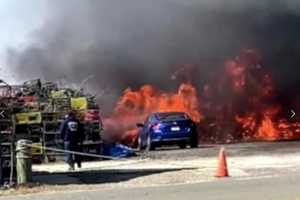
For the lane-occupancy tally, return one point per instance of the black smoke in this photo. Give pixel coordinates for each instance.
(129, 43)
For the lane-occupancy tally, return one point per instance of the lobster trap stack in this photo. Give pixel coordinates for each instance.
(35, 111)
(7, 137)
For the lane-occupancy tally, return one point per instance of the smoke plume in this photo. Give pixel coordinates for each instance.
(129, 43)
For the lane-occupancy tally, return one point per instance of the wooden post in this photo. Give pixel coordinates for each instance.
(24, 171)
(12, 149)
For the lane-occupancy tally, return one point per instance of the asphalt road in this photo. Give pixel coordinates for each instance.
(276, 188)
(238, 149)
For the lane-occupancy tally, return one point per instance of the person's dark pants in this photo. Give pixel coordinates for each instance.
(72, 158)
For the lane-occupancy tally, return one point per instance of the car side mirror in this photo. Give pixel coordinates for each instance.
(140, 125)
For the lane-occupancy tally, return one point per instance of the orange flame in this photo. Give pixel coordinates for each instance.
(242, 97)
(135, 106)
(268, 128)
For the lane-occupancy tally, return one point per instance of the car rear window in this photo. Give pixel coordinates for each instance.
(171, 116)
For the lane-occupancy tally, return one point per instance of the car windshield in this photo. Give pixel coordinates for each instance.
(171, 116)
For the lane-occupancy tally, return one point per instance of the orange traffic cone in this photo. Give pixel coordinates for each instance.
(222, 170)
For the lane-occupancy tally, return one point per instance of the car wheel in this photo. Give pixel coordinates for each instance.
(150, 145)
(182, 145)
(194, 139)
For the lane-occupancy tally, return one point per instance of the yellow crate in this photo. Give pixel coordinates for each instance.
(79, 103)
(58, 94)
(29, 118)
(37, 149)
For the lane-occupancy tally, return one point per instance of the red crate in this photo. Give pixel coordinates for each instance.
(92, 115)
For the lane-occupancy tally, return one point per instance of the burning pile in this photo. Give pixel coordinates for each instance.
(241, 105)
(259, 115)
(135, 106)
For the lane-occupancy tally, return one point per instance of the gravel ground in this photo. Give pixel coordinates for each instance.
(169, 166)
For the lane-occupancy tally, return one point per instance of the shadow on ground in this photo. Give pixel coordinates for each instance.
(96, 176)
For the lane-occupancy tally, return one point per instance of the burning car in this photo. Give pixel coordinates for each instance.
(167, 128)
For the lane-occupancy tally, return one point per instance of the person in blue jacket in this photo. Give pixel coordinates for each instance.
(72, 133)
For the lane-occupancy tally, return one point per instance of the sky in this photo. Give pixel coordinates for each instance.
(18, 21)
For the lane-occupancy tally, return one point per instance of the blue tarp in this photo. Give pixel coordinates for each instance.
(117, 150)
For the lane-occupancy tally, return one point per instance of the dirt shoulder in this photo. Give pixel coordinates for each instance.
(167, 167)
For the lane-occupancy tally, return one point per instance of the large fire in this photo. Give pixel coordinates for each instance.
(239, 105)
(260, 118)
(266, 126)
(135, 106)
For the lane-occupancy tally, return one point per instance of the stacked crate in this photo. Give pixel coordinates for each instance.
(93, 125)
(6, 140)
(51, 136)
(29, 119)
(28, 126)
(89, 115)
(60, 100)
(39, 108)
(51, 120)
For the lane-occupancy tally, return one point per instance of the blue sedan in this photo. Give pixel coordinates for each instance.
(167, 128)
